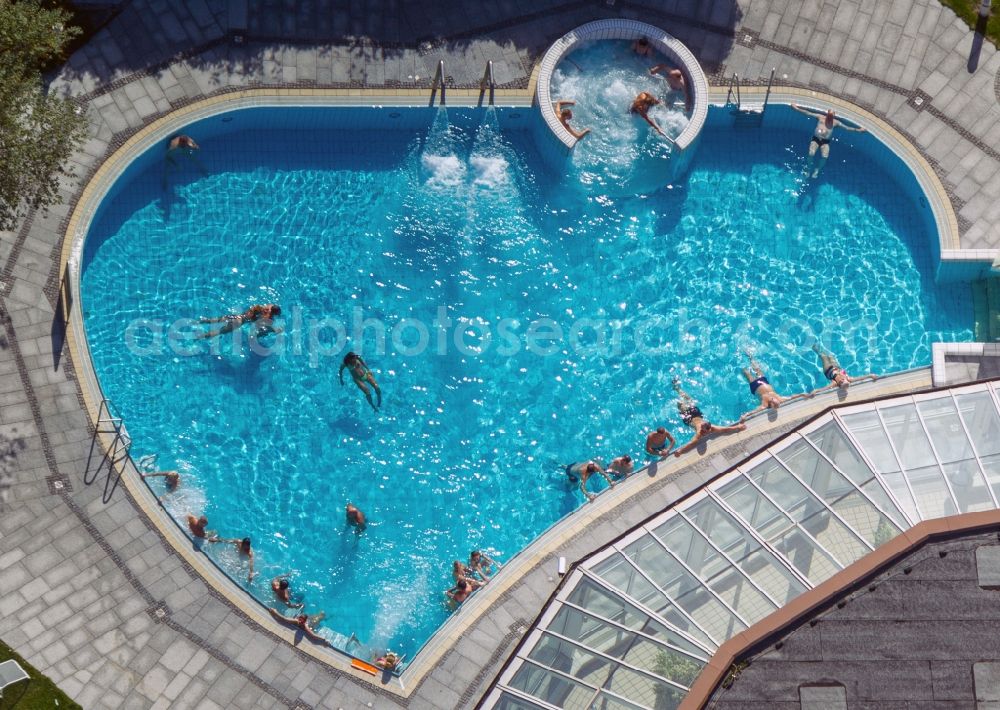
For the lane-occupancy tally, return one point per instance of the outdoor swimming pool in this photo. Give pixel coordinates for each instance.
(579, 308)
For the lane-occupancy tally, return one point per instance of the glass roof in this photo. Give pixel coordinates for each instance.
(636, 621)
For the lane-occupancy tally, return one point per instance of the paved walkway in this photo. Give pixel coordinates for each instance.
(89, 592)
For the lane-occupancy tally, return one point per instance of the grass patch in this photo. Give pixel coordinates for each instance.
(968, 10)
(36, 694)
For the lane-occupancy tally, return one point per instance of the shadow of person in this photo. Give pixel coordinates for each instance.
(977, 43)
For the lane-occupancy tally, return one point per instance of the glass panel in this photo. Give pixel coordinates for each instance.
(931, 493)
(968, 485)
(744, 550)
(684, 588)
(645, 690)
(664, 662)
(908, 436)
(981, 419)
(509, 702)
(617, 572)
(732, 587)
(606, 701)
(897, 484)
(945, 428)
(563, 656)
(805, 509)
(867, 430)
(991, 465)
(551, 687)
(778, 530)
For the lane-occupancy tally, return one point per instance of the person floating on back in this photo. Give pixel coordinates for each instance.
(822, 136)
(832, 370)
(362, 376)
(692, 416)
(564, 114)
(759, 385)
(582, 471)
(263, 316)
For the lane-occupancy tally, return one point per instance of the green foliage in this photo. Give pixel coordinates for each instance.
(968, 10)
(678, 669)
(38, 131)
(34, 694)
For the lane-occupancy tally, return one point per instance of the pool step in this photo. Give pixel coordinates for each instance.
(986, 309)
(748, 115)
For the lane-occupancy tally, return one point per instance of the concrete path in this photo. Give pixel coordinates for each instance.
(89, 592)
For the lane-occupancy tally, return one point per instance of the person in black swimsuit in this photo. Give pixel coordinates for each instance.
(820, 141)
(693, 417)
(759, 385)
(582, 471)
(832, 370)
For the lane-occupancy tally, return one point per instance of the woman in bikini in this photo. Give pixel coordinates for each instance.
(693, 417)
(825, 124)
(231, 322)
(832, 370)
(362, 376)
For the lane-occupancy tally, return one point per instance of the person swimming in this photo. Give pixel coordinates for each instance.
(582, 471)
(265, 314)
(641, 106)
(362, 376)
(822, 135)
(693, 417)
(564, 114)
(836, 374)
(675, 81)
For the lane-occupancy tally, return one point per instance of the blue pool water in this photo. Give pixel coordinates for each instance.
(460, 218)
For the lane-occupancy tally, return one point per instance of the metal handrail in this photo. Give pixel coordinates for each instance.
(734, 83)
(438, 81)
(768, 94)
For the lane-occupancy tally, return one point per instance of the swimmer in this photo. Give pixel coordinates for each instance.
(244, 550)
(656, 443)
(641, 105)
(355, 517)
(197, 527)
(460, 592)
(822, 135)
(264, 314)
(582, 472)
(675, 80)
(171, 478)
(362, 376)
(643, 47)
(481, 564)
(388, 662)
(565, 115)
(693, 417)
(180, 145)
(621, 466)
(279, 585)
(307, 624)
(837, 375)
(769, 398)
(460, 572)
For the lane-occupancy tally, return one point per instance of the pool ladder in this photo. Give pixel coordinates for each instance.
(749, 114)
(487, 83)
(438, 82)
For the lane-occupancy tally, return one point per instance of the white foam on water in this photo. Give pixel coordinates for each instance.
(396, 604)
(445, 170)
(489, 171)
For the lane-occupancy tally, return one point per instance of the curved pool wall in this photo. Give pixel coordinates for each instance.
(556, 143)
(213, 121)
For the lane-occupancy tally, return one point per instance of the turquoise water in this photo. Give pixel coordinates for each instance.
(463, 217)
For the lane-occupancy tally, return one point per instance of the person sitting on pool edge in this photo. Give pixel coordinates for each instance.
(582, 471)
(822, 135)
(693, 417)
(834, 372)
(641, 105)
(759, 385)
(265, 314)
(656, 443)
(564, 115)
(362, 376)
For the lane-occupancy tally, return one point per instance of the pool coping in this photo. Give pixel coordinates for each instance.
(422, 665)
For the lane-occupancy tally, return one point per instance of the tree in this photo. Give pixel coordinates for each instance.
(38, 131)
